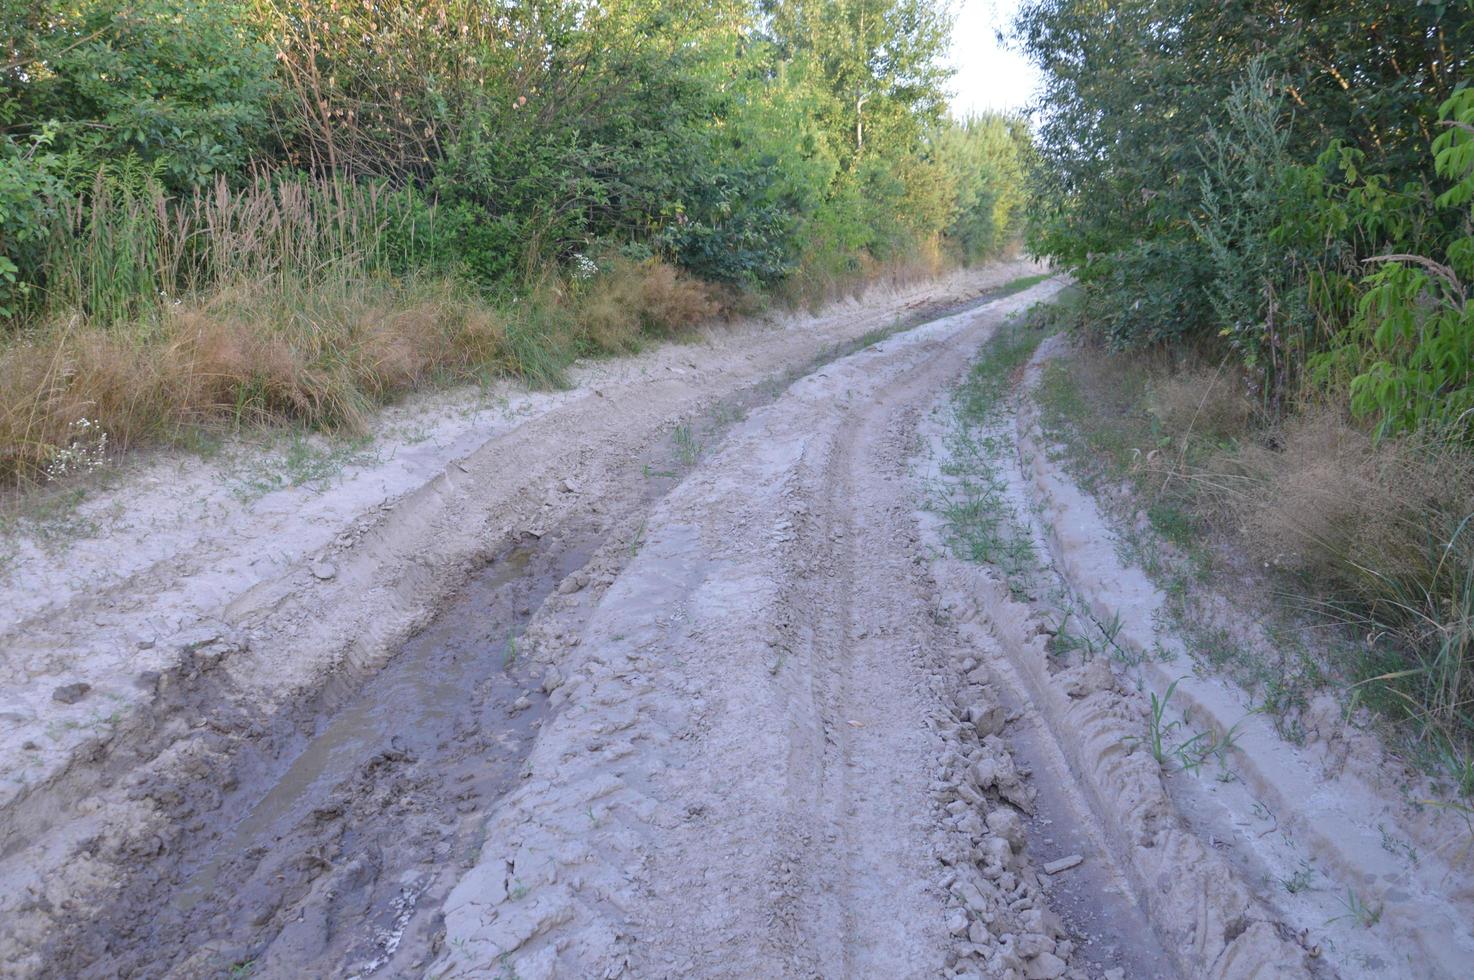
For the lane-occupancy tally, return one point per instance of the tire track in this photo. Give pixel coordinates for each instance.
(800, 789)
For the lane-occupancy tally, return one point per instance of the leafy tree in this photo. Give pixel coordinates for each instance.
(876, 64)
(987, 156)
(1135, 89)
(182, 84)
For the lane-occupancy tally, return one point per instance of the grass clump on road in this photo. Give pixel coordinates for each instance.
(979, 522)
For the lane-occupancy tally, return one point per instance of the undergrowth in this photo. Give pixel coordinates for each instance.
(278, 304)
(1365, 547)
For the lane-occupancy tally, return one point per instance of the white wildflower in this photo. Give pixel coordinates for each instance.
(85, 450)
(584, 268)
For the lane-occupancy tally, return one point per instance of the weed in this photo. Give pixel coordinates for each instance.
(1300, 880)
(1207, 745)
(301, 459)
(1357, 910)
(1396, 846)
(688, 449)
(506, 970)
(1158, 729)
(509, 652)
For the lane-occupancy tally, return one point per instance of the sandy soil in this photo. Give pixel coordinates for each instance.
(666, 675)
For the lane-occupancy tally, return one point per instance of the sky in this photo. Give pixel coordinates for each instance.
(989, 75)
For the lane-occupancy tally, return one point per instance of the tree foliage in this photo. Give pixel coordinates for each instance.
(1225, 168)
(749, 141)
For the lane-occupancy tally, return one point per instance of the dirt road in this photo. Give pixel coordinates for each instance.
(670, 676)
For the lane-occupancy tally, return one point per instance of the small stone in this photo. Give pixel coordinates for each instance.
(521, 704)
(71, 693)
(570, 585)
(995, 852)
(30, 746)
(957, 922)
(1007, 824)
(1046, 966)
(570, 487)
(147, 643)
(972, 896)
(1031, 945)
(978, 932)
(985, 774)
(324, 570)
(1063, 864)
(552, 680)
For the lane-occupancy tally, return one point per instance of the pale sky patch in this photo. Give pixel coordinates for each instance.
(989, 76)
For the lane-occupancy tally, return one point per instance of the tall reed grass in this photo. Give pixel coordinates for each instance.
(125, 251)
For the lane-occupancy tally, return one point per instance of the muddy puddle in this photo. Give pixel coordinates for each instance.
(331, 855)
(329, 849)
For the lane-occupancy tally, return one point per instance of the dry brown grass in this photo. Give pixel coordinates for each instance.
(826, 275)
(239, 359)
(1202, 401)
(1381, 534)
(322, 358)
(273, 303)
(671, 301)
(631, 299)
(1322, 497)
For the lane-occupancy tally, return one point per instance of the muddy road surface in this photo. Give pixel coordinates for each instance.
(679, 674)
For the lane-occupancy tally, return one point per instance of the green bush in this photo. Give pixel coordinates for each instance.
(30, 191)
(1176, 127)
(180, 83)
(1414, 326)
(752, 147)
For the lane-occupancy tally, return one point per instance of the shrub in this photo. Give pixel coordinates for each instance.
(1414, 327)
(1152, 292)
(1256, 282)
(31, 190)
(183, 85)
